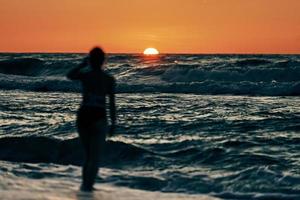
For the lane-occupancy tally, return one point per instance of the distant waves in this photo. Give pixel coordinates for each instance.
(206, 87)
(234, 75)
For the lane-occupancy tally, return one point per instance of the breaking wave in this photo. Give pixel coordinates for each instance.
(66, 152)
(177, 74)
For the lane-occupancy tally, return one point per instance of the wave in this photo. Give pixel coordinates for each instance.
(65, 152)
(260, 172)
(194, 74)
(280, 72)
(251, 69)
(205, 87)
(35, 67)
(51, 150)
(25, 66)
(252, 62)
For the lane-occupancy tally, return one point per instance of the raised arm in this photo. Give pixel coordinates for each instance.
(75, 73)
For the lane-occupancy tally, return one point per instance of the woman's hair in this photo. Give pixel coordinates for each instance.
(96, 57)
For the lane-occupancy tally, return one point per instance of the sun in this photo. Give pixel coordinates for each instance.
(151, 51)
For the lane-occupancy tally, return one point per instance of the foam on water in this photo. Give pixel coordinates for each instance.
(242, 145)
(233, 147)
(14, 187)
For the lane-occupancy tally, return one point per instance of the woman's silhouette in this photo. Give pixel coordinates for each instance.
(91, 118)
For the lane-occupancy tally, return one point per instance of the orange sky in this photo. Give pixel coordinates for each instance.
(172, 26)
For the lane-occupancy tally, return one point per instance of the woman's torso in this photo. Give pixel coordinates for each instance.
(96, 86)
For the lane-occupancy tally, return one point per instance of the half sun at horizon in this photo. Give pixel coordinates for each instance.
(149, 99)
(151, 51)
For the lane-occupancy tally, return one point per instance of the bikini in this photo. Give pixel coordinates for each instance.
(92, 109)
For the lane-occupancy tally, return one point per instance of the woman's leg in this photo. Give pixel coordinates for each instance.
(96, 145)
(84, 134)
(84, 138)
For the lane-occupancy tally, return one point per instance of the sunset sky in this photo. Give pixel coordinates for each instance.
(171, 26)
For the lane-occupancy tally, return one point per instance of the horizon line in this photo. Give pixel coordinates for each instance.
(161, 53)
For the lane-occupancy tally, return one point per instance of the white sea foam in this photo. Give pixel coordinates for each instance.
(18, 188)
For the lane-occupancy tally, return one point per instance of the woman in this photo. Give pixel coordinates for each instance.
(91, 118)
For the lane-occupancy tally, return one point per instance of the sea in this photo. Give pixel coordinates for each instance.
(226, 126)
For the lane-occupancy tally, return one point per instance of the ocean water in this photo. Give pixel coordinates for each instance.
(223, 125)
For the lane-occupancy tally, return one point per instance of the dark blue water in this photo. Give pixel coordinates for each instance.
(227, 125)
